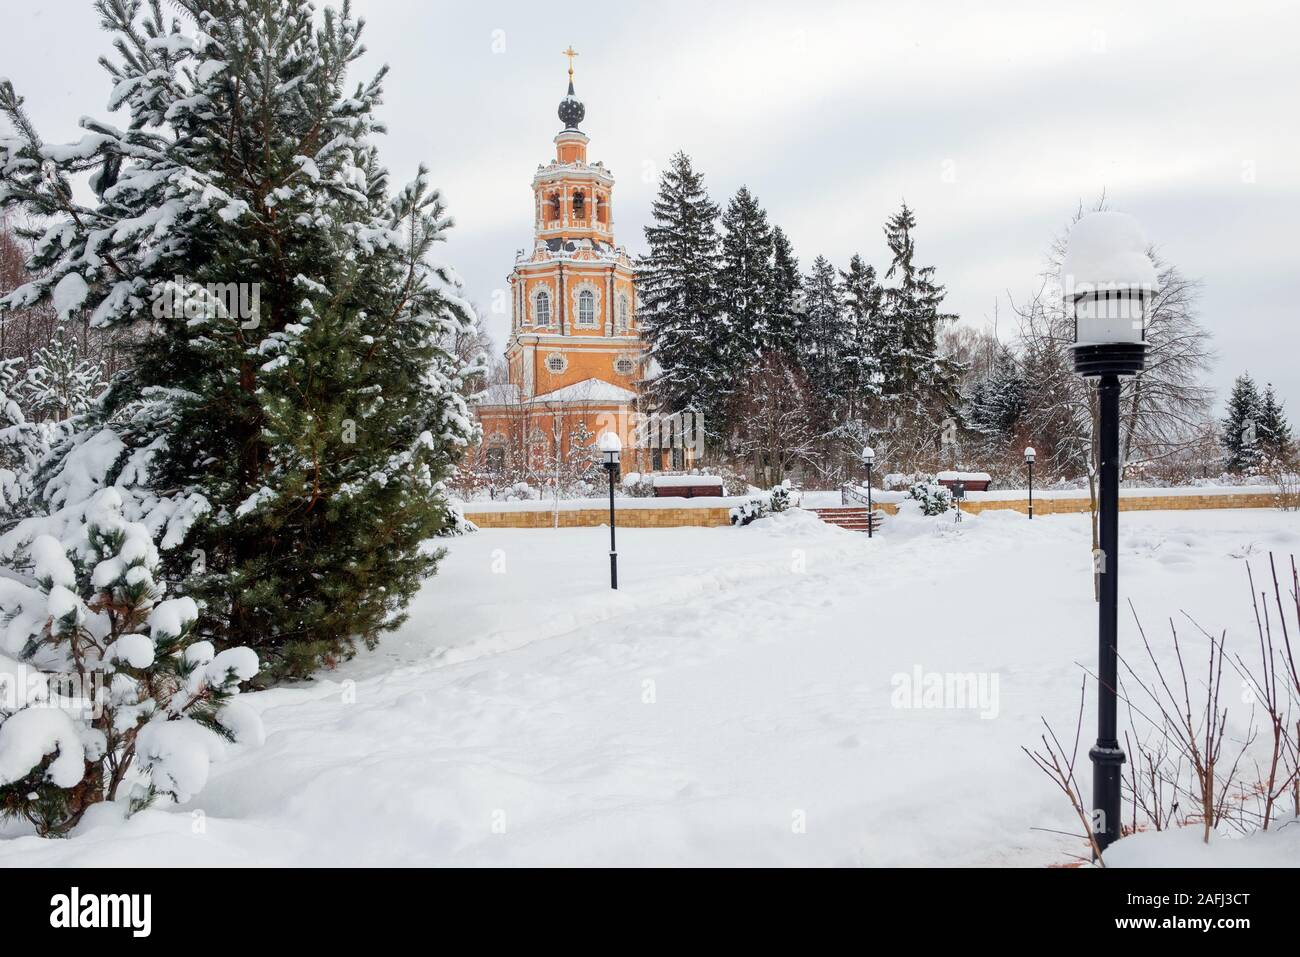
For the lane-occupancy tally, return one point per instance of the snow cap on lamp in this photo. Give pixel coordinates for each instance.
(1030, 454)
(1108, 277)
(1108, 280)
(868, 455)
(610, 447)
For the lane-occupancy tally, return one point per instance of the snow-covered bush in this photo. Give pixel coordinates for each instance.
(457, 523)
(935, 499)
(751, 510)
(105, 691)
(778, 498)
(521, 492)
(783, 497)
(1285, 475)
(638, 485)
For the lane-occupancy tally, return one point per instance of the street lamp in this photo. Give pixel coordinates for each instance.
(869, 459)
(610, 447)
(1030, 454)
(1108, 280)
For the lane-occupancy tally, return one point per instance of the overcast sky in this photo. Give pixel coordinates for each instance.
(993, 121)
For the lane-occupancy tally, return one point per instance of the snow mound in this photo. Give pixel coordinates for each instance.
(1183, 847)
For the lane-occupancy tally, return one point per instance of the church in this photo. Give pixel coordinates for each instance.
(574, 356)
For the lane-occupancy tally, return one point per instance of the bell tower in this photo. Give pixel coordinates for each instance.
(575, 357)
(573, 295)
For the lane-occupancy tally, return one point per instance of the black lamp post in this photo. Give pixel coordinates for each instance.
(869, 459)
(1108, 279)
(610, 447)
(1029, 460)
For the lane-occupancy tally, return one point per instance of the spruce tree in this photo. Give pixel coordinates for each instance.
(1241, 426)
(60, 383)
(916, 378)
(1275, 438)
(866, 345)
(787, 297)
(746, 282)
(677, 284)
(286, 426)
(824, 335)
(996, 403)
(21, 444)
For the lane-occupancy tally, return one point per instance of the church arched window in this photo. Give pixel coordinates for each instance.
(579, 206)
(586, 308)
(542, 308)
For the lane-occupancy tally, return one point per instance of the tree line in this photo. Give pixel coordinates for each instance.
(796, 371)
(838, 357)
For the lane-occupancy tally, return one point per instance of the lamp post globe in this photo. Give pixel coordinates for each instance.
(869, 459)
(611, 448)
(1108, 281)
(1030, 455)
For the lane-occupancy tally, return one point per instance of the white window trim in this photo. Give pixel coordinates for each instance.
(578, 290)
(564, 363)
(537, 293)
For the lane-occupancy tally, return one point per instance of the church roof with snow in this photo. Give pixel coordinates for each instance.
(588, 390)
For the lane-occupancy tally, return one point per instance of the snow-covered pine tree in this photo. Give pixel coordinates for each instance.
(292, 415)
(677, 287)
(60, 383)
(582, 458)
(867, 347)
(1240, 427)
(996, 403)
(21, 444)
(746, 282)
(917, 379)
(1275, 439)
(787, 296)
(823, 336)
(114, 695)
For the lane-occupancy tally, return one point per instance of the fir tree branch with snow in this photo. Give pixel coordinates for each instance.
(108, 693)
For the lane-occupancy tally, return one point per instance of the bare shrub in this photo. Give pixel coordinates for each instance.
(1189, 765)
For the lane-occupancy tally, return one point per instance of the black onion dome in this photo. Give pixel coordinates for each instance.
(571, 110)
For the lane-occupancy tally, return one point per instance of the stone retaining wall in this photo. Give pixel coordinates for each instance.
(1129, 503)
(590, 517)
(709, 517)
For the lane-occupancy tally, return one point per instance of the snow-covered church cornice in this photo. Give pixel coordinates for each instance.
(587, 172)
(585, 255)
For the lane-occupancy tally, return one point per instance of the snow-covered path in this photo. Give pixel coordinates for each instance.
(731, 704)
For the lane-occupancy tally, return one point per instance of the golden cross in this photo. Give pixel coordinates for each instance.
(570, 53)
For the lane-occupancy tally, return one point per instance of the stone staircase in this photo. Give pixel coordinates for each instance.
(855, 518)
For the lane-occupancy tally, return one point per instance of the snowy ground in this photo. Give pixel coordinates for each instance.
(731, 704)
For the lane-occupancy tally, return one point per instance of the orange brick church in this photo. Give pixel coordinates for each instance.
(574, 355)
